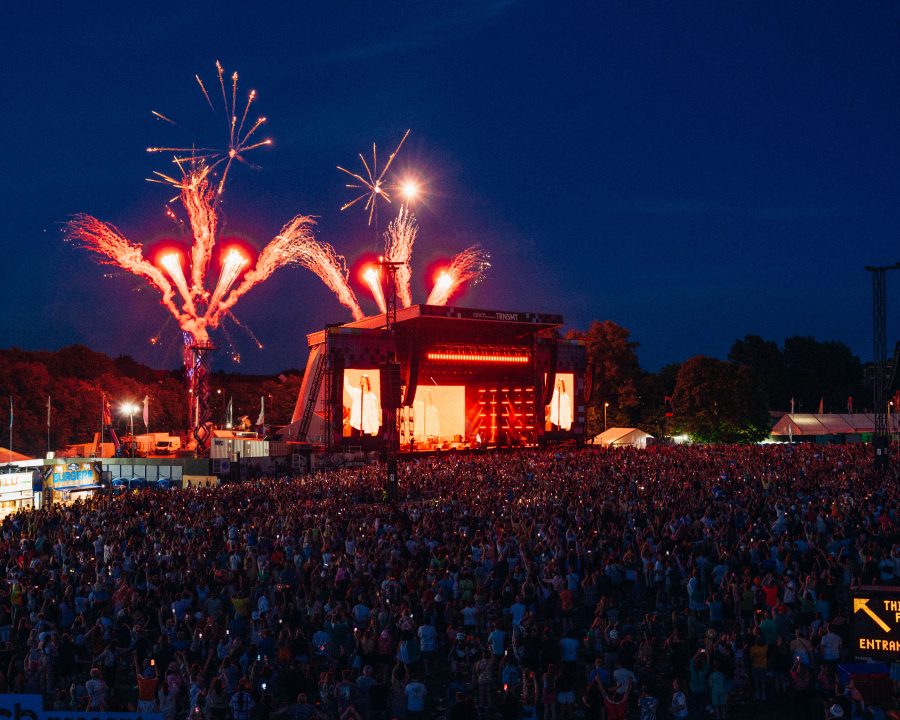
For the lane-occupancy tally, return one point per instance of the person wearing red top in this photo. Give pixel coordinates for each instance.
(770, 591)
(566, 605)
(616, 704)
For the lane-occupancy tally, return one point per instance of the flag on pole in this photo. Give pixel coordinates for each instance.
(48, 411)
(107, 411)
(229, 414)
(792, 406)
(10, 413)
(261, 420)
(667, 404)
(821, 406)
(146, 412)
(850, 404)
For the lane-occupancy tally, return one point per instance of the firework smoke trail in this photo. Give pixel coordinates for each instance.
(373, 280)
(247, 330)
(114, 249)
(467, 266)
(399, 239)
(199, 203)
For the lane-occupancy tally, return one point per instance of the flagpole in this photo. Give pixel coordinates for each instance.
(10, 426)
(48, 424)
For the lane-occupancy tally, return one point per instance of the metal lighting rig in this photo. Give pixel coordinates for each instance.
(881, 438)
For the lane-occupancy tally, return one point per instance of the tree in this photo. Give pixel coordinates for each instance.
(653, 389)
(766, 361)
(614, 372)
(75, 377)
(720, 402)
(826, 371)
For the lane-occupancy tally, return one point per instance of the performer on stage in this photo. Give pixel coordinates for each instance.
(365, 412)
(561, 407)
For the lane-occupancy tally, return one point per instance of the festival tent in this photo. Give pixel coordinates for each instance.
(623, 436)
(7, 455)
(827, 424)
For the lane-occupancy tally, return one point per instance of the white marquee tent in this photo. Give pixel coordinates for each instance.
(632, 437)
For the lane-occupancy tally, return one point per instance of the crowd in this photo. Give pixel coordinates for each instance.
(553, 583)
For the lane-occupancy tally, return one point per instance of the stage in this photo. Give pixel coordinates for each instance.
(468, 378)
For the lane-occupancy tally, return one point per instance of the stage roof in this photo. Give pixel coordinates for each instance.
(437, 314)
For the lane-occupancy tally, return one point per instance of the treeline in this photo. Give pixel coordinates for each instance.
(712, 400)
(718, 400)
(74, 379)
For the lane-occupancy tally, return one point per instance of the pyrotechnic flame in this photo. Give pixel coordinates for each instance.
(399, 239)
(234, 263)
(372, 184)
(373, 280)
(295, 244)
(467, 267)
(171, 262)
(239, 142)
(114, 249)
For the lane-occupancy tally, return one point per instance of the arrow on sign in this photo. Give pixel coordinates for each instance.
(863, 604)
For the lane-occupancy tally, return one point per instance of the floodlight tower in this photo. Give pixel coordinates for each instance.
(199, 413)
(881, 438)
(390, 378)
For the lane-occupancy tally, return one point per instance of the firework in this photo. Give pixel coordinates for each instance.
(468, 266)
(296, 245)
(372, 184)
(114, 249)
(239, 142)
(398, 244)
(373, 280)
(171, 262)
(234, 263)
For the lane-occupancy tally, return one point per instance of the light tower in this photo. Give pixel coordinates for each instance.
(197, 357)
(881, 438)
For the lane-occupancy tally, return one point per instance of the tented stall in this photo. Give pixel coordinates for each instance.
(632, 437)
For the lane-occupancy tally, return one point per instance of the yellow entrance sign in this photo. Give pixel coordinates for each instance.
(863, 604)
(875, 626)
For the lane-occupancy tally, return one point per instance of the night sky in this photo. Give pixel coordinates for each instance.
(692, 171)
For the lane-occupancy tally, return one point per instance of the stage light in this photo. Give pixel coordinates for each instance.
(476, 357)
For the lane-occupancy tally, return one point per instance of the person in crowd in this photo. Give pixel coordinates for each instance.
(550, 582)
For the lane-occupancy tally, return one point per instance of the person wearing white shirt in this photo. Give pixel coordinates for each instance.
(561, 407)
(365, 415)
(415, 692)
(830, 645)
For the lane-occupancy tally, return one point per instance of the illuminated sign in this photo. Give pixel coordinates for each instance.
(876, 623)
(495, 315)
(15, 482)
(74, 474)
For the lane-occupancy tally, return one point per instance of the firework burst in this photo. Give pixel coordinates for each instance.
(200, 309)
(372, 182)
(240, 142)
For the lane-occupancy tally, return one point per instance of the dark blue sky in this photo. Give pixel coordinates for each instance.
(693, 171)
